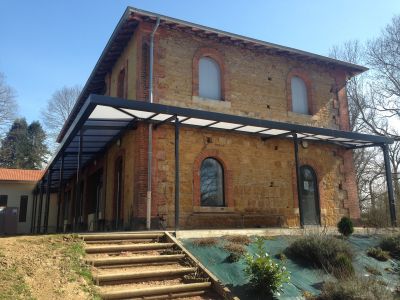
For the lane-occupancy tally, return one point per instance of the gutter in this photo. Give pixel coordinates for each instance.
(150, 141)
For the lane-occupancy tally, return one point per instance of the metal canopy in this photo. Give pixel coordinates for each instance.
(103, 119)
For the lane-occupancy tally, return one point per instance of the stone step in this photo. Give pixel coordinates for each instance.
(123, 276)
(128, 247)
(120, 236)
(154, 291)
(126, 260)
(119, 241)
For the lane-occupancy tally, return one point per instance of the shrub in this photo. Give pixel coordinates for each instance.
(210, 241)
(323, 251)
(357, 288)
(378, 254)
(392, 245)
(236, 251)
(238, 239)
(345, 226)
(281, 256)
(265, 276)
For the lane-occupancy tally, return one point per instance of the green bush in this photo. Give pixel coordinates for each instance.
(345, 226)
(355, 289)
(378, 254)
(323, 251)
(392, 245)
(265, 276)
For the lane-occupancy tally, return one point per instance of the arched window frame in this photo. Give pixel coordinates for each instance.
(218, 58)
(228, 186)
(222, 179)
(304, 76)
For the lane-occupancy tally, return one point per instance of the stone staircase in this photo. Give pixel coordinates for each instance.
(146, 265)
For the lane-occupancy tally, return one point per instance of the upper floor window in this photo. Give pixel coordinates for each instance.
(211, 183)
(209, 79)
(121, 84)
(299, 96)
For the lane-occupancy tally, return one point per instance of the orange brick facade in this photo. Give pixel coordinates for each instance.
(259, 176)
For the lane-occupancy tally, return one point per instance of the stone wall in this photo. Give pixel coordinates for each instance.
(260, 185)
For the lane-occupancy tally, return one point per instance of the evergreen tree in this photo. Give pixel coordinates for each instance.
(23, 146)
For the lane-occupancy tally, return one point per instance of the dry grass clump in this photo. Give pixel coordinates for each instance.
(238, 239)
(234, 248)
(354, 289)
(205, 242)
(378, 254)
(323, 251)
(392, 245)
(236, 251)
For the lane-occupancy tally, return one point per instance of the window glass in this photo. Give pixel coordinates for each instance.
(299, 96)
(23, 206)
(209, 79)
(3, 200)
(211, 183)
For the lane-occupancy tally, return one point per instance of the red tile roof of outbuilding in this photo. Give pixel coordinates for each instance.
(20, 175)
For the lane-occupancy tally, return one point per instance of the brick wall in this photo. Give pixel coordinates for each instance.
(260, 186)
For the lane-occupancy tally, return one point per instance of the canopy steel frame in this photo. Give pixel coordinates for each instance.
(109, 118)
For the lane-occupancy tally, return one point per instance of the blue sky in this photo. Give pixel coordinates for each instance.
(48, 44)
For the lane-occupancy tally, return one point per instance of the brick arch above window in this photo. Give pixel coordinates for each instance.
(218, 57)
(302, 74)
(228, 187)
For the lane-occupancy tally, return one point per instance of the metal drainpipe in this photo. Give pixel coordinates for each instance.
(150, 142)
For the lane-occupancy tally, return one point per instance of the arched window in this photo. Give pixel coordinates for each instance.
(299, 96)
(309, 196)
(209, 79)
(121, 84)
(211, 183)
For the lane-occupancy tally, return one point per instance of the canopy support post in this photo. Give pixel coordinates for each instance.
(60, 184)
(39, 220)
(78, 211)
(389, 183)
(177, 174)
(47, 208)
(298, 179)
(34, 210)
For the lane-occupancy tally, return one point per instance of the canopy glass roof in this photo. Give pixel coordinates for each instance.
(103, 119)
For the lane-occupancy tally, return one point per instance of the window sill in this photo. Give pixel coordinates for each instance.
(213, 209)
(302, 118)
(211, 102)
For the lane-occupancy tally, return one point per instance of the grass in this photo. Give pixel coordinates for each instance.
(12, 283)
(392, 245)
(73, 254)
(323, 251)
(354, 289)
(378, 254)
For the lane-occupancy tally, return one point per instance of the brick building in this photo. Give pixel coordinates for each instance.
(184, 124)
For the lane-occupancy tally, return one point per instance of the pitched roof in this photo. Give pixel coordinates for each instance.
(133, 16)
(20, 175)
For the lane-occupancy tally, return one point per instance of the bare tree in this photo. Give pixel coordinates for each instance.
(8, 104)
(374, 100)
(58, 108)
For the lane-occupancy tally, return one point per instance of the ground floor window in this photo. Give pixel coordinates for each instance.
(211, 183)
(3, 200)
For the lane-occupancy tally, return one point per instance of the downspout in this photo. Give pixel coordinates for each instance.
(150, 141)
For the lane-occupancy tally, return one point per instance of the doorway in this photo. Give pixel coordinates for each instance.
(309, 196)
